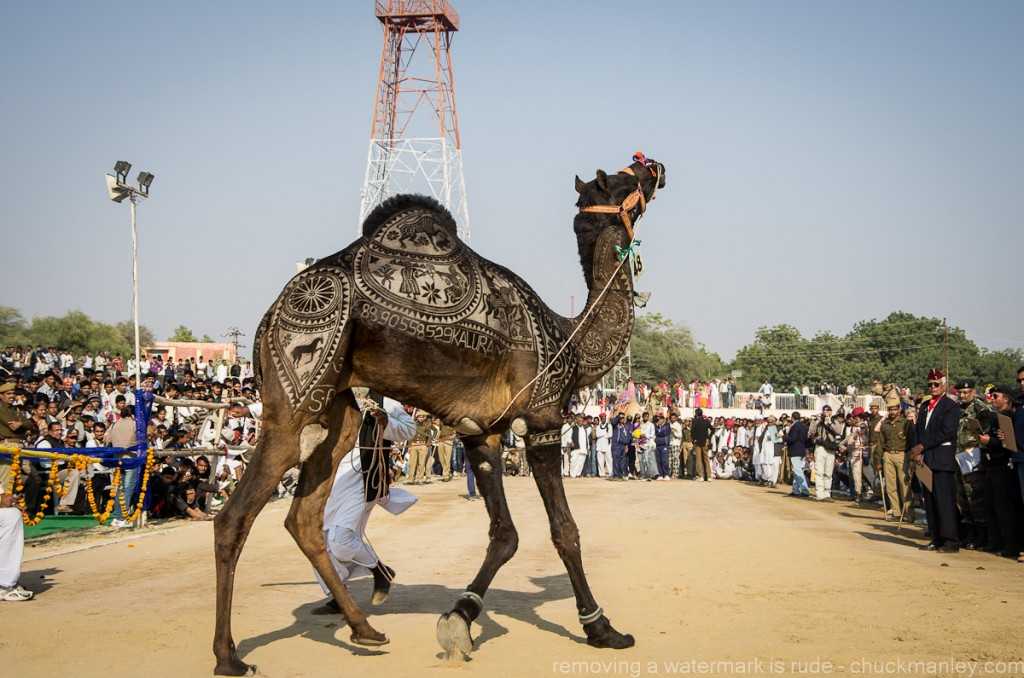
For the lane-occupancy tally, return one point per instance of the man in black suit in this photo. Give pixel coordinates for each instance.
(796, 443)
(938, 421)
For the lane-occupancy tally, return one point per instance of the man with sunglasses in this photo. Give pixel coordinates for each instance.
(938, 422)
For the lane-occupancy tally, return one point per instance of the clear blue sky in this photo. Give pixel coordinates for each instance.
(827, 162)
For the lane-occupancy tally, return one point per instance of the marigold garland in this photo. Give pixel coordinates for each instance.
(121, 500)
(80, 462)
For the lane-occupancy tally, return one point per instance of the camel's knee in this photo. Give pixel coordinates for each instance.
(566, 538)
(309, 439)
(308, 536)
(504, 542)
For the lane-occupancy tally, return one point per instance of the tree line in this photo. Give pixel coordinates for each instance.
(900, 349)
(78, 333)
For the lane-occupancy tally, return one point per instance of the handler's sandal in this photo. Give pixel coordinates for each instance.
(14, 594)
(382, 578)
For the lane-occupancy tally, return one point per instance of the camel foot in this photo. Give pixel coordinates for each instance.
(233, 666)
(453, 636)
(365, 634)
(600, 633)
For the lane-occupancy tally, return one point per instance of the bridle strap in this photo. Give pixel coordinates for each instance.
(629, 203)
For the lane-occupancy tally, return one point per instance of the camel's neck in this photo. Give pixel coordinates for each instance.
(608, 316)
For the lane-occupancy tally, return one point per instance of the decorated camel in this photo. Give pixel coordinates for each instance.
(412, 312)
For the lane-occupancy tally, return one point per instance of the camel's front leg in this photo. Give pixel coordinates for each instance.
(544, 454)
(484, 454)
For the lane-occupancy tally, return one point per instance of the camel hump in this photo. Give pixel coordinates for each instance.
(395, 205)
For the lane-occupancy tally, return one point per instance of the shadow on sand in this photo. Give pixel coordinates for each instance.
(39, 581)
(432, 599)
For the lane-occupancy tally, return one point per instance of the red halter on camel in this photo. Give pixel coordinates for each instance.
(635, 197)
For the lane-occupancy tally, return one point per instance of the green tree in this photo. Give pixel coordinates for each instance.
(182, 333)
(208, 339)
(13, 329)
(78, 333)
(901, 348)
(664, 350)
(127, 330)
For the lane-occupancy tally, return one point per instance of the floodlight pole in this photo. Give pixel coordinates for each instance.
(135, 292)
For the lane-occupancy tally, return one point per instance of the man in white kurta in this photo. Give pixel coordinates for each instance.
(576, 439)
(12, 547)
(347, 511)
(603, 433)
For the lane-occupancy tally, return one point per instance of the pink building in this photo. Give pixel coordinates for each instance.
(192, 349)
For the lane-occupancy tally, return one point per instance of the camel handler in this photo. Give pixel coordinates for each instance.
(362, 482)
(12, 428)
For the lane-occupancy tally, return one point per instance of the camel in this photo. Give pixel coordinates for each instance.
(454, 354)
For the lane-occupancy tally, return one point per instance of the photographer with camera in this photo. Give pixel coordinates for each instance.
(826, 433)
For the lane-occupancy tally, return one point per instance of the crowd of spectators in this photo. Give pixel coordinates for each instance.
(657, 432)
(639, 432)
(52, 399)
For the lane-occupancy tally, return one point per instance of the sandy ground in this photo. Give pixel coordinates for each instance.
(699, 572)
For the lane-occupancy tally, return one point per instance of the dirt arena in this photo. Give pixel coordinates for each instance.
(742, 578)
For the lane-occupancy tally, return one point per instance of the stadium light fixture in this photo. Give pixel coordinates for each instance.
(119, 190)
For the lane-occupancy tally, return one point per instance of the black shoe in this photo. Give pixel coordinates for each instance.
(382, 578)
(930, 546)
(949, 547)
(330, 607)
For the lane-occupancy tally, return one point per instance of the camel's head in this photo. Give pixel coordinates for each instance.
(622, 196)
(614, 201)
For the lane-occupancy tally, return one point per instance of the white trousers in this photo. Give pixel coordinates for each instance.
(12, 546)
(824, 462)
(604, 462)
(345, 519)
(577, 460)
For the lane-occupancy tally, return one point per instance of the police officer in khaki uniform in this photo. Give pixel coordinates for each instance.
(12, 428)
(418, 447)
(445, 438)
(893, 439)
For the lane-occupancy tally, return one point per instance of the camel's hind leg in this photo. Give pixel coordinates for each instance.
(546, 462)
(275, 454)
(305, 519)
(453, 627)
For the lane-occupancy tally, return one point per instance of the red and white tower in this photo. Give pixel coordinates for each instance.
(415, 145)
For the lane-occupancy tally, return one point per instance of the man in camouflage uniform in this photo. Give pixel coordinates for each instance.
(970, 474)
(894, 439)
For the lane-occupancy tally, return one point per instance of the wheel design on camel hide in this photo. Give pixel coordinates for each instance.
(305, 328)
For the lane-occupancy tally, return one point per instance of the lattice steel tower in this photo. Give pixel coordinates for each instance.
(415, 145)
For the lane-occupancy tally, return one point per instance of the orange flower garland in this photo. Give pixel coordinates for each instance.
(150, 460)
(80, 462)
(115, 480)
(51, 480)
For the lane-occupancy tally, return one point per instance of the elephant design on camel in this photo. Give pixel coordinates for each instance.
(357, 331)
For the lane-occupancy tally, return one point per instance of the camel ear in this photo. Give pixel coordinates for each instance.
(602, 180)
(579, 184)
